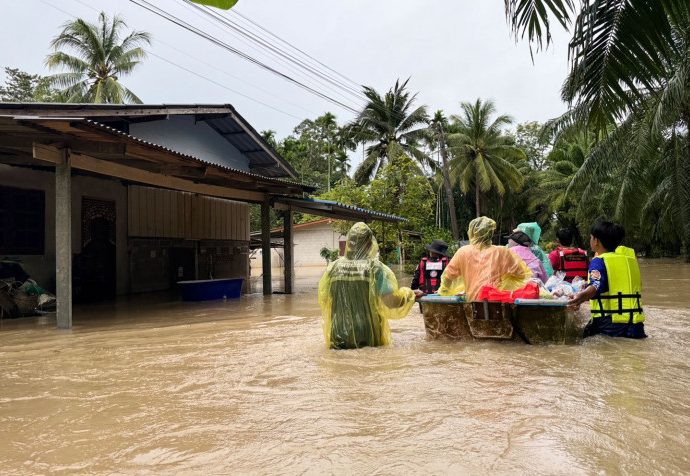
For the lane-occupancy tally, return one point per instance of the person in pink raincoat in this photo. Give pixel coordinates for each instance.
(519, 243)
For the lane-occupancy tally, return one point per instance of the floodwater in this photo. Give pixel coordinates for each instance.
(247, 386)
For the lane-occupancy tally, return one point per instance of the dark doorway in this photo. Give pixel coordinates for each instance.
(95, 273)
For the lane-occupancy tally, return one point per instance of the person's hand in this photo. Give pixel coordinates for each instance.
(574, 302)
(418, 293)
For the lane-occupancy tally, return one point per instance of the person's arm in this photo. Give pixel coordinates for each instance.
(451, 278)
(585, 295)
(597, 283)
(395, 301)
(415, 279)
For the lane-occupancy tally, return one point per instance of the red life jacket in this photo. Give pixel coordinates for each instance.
(574, 262)
(429, 275)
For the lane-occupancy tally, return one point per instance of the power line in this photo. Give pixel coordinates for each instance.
(187, 69)
(222, 85)
(271, 55)
(354, 83)
(229, 23)
(173, 19)
(238, 78)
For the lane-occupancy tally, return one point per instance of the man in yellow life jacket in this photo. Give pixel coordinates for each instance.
(614, 286)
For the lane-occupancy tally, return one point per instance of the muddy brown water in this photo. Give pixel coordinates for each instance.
(247, 387)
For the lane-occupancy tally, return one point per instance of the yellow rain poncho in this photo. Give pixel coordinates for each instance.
(481, 263)
(358, 294)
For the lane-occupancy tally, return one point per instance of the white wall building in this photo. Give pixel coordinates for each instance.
(309, 239)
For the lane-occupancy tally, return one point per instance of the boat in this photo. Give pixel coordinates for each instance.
(532, 321)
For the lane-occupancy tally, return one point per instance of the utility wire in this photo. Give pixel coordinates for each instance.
(230, 24)
(185, 69)
(236, 12)
(273, 56)
(173, 19)
(214, 67)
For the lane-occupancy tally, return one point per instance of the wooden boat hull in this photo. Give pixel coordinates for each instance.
(500, 321)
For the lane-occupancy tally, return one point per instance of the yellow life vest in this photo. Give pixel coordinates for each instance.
(622, 301)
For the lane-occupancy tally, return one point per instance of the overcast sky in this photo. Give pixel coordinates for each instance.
(453, 50)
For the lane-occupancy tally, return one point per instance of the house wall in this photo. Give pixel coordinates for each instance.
(162, 222)
(42, 267)
(308, 242)
(184, 134)
(150, 224)
(170, 214)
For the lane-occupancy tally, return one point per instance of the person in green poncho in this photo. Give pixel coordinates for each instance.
(533, 230)
(358, 295)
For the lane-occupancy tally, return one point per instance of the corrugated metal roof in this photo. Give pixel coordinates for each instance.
(117, 132)
(330, 208)
(221, 117)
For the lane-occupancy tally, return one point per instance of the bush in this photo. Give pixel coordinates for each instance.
(329, 254)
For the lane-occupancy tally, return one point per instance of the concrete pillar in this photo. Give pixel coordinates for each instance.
(266, 246)
(63, 241)
(287, 251)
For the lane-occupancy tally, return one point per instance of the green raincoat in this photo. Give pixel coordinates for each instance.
(358, 294)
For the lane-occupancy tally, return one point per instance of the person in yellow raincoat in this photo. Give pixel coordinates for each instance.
(481, 263)
(358, 294)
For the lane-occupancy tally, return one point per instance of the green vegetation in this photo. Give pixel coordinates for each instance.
(21, 86)
(96, 57)
(621, 150)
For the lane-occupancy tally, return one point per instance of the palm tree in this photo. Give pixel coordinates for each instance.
(392, 126)
(482, 153)
(438, 130)
(630, 66)
(100, 56)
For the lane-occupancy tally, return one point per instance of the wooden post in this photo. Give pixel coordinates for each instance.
(266, 246)
(287, 251)
(63, 240)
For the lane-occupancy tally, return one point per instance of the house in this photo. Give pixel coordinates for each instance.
(115, 199)
(308, 240)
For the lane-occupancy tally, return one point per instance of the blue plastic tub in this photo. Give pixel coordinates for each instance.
(210, 289)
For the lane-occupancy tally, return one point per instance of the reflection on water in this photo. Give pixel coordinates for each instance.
(247, 386)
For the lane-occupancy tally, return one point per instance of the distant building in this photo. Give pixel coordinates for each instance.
(308, 240)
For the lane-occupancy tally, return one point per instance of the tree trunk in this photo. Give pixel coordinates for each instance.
(477, 197)
(685, 200)
(449, 190)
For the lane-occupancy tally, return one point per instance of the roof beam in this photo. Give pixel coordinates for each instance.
(124, 172)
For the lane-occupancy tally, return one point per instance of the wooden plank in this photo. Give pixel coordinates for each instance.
(214, 217)
(130, 211)
(236, 221)
(167, 213)
(196, 216)
(144, 206)
(245, 223)
(173, 215)
(112, 169)
(227, 213)
(48, 154)
(188, 215)
(207, 218)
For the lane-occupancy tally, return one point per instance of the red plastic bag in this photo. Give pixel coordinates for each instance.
(490, 293)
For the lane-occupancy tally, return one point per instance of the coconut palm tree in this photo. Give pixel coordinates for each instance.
(438, 130)
(97, 57)
(483, 154)
(392, 126)
(630, 66)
